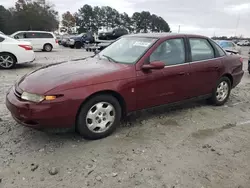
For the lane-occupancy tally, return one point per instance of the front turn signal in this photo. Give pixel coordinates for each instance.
(50, 98)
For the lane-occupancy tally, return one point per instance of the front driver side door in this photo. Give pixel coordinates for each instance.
(167, 85)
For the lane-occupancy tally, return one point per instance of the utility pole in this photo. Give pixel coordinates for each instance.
(179, 29)
(237, 24)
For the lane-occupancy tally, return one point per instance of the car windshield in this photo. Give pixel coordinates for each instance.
(127, 49)
(224, 44)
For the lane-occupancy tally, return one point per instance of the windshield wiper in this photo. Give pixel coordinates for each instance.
(110, 58)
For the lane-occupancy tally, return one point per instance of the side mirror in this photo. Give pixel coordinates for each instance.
(153, 65)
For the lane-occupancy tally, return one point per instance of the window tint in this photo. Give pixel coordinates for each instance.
(201, 49)
(171, 52)
(31, 35)
(218, 48)
(38, 35)
(46, 35)
(1, 39)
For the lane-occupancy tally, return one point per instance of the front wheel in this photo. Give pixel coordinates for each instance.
(222, 91)
(99, 117)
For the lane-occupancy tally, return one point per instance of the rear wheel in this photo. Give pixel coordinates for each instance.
(222, 91)
(47, 48)
(7, 61)
(99, 117)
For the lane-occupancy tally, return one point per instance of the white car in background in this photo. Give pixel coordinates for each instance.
(229, 46)
(243, 43)
(40, 40)
(13, 51)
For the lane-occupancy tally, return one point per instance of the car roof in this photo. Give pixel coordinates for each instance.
(35, 31)
(163, 35)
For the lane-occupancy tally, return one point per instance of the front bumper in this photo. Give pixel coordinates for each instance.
(41, 115)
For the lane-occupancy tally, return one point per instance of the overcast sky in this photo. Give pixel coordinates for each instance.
(207, 17)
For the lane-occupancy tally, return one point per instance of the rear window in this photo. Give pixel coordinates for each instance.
(38, 35)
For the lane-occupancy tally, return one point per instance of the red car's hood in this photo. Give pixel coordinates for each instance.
(73, 74)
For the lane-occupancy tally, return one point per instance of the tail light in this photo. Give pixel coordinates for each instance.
(26, 47)
(56, 41)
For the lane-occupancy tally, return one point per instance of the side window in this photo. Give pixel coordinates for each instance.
(201, 49)
(218, 48)
(45, 35)
(171, 52)
(31, 35)
(1, 39)
(20, 36)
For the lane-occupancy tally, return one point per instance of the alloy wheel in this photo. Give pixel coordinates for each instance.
(100, 117)
(6, 61)
(47, 48)
(222, 91)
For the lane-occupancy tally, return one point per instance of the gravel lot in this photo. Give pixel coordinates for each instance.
(190, 146)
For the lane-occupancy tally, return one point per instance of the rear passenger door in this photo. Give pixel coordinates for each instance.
(205, 67)
(33, 37)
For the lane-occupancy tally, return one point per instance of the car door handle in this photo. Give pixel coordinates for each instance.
(182, 73)
(214, 68)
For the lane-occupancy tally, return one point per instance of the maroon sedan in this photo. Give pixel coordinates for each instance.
(136, 72)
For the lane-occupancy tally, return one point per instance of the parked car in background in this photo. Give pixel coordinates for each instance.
(112, 34)
(79, 40)
(135, 72)
(59, 39)
(65, 39)
(243, 43)
(13, 52)
(40, 40)
(230, 46)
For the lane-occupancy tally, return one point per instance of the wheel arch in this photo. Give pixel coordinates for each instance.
(230, 78)
(48, 44)
(10, 54)
(115, 94)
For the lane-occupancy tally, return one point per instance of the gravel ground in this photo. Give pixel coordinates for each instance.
(190, 146)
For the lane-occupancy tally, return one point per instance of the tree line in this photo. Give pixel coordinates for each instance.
(28, 15)
(41, 15)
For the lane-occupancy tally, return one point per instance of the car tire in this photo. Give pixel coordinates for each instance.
(102, 113)
(72, 46)
(78, 45)
(47, 47)
(221, 92)
(10, 61)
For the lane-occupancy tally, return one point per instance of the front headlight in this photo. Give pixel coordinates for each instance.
(32, 97)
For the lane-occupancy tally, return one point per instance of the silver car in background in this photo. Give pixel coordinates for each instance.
(229, 46)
